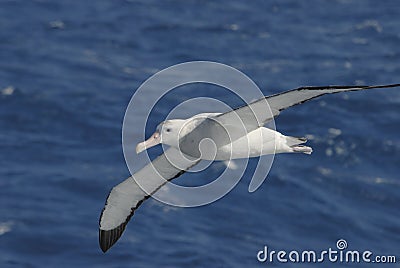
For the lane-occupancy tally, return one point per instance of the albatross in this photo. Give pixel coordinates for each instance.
(239, 133)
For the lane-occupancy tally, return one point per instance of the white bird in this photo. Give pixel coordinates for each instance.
(235, 134)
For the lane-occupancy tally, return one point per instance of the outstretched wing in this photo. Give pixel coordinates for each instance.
(249, 117)
(127, 196)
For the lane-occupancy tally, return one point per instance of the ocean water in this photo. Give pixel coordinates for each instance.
(69, 68)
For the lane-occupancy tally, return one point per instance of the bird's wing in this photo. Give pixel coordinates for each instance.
(127, 196)
(256, 114)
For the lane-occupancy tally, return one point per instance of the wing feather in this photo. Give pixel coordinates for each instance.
(127, 196)
(256, 114)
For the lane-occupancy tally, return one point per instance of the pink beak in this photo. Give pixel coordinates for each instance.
(152, 141)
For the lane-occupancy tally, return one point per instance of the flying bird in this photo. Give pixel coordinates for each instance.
(239, 133)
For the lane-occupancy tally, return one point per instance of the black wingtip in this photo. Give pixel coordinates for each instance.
(107, 238)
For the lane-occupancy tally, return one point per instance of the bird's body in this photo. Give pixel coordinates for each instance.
(261, 141)
(258, 142)
(210, 136)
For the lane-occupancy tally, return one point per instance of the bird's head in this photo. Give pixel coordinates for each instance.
(168, 132)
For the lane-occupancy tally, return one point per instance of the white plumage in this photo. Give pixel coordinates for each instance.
(236, 134)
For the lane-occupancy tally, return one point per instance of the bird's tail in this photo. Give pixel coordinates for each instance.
(294, 144)
(290, 141)
(301, 149)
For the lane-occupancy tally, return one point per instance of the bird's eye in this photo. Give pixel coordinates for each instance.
(168, 130)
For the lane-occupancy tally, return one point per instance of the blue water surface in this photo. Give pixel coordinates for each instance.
(69, 68)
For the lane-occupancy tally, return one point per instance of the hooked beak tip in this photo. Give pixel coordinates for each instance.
(139, 148)
(152, 141)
